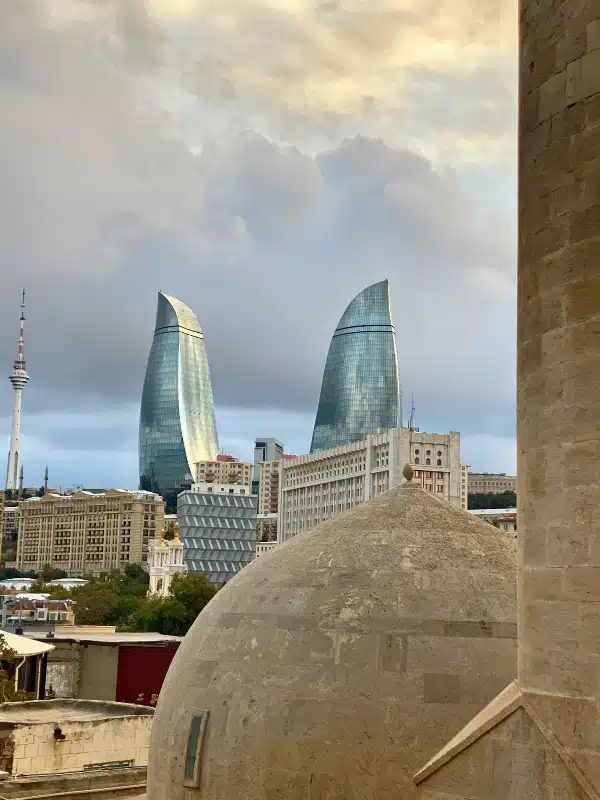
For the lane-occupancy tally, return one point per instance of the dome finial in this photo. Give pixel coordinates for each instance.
(408, 472)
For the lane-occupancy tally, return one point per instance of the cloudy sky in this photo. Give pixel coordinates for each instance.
(262, 164)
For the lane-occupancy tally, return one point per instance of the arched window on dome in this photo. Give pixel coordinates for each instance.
(439, 462)
(191, 768)
(428, 461)
(417, 460)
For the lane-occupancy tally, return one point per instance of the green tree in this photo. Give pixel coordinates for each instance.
(174, 615)
(50, 573)
(11, 572)
(502, 500)
(137, 574)
(111, 598)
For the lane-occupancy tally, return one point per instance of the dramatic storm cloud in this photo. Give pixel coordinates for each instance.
(262, 165)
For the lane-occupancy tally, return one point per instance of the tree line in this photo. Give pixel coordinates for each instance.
(121, 599)
(502, 500)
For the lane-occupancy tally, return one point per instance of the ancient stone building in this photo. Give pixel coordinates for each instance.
(337, 664)
(540, 738)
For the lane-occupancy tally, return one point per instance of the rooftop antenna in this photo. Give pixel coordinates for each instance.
(412, 414)
(401, 414)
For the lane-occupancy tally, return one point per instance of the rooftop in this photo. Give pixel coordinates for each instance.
(139, 494)
(25, 645)
(488, 512)
(39, 712)
(107, 637)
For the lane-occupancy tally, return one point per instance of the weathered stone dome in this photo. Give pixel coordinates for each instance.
(335, 666)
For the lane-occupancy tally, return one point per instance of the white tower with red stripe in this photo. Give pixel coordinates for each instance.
(18, 379)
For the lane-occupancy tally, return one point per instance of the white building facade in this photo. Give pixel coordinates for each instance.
(165, 559)
(319, 486)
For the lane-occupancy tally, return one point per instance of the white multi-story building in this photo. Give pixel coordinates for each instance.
(316, 487)
(165, 559)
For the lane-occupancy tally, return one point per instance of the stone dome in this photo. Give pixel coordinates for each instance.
(338, 664)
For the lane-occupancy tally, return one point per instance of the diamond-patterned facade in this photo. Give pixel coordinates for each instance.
(218, 533)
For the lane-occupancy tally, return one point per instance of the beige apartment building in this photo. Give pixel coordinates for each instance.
(1, 521)
(321, 485)
(491, 483)
(224, 470)
(86, 532)
(268, 501)
(505, 519)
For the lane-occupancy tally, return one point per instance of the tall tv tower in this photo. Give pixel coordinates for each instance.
(18, 379)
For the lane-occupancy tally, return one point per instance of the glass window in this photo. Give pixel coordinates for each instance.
(191, 774)
(177, 419)
(360, 388)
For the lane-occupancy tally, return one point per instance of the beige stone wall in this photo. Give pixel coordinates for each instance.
(551, 747)
(559, 347)
(487, 770)
(98, 675)
(63, 669)
(36, 751)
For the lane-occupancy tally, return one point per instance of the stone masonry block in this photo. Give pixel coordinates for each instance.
(552, 95)
(441, 688)
(582, 584)
(583, 77)
(593, 35)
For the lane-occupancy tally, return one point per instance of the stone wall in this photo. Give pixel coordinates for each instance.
(96, 741)
(98, 677)
(548, 746)
(63, 669)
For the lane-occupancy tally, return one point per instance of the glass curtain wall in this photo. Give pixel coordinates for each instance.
(177, 419)
(360, 389)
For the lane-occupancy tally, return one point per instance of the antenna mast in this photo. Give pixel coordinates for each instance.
(18, 379)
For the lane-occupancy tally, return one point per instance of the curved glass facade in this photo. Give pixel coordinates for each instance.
(177, 418)
(360, 389)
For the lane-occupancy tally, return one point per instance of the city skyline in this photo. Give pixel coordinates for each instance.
(265, 205)
(175, 319)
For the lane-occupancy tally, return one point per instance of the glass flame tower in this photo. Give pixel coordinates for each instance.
(177, 418)
(360, 390)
